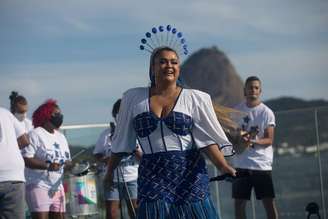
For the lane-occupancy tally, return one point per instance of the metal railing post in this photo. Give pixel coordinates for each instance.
(217, 193)
(253, 205)
(319, 163)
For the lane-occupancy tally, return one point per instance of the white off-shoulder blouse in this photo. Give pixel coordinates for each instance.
(192, 123)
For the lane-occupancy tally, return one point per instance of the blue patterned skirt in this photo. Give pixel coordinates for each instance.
(174, 185)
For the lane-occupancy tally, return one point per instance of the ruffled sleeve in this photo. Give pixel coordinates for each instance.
(207, 129)
(124, 139)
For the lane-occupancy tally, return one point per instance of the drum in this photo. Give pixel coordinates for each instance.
(82, 194)
(236, 137)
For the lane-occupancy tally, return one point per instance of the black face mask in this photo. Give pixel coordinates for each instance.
(57, 120)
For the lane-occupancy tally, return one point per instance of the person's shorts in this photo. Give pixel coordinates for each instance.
(260, 180)
(44, 200)
(122, 191)
(12, 199)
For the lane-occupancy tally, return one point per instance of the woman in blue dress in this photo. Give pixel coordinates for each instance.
(175, 126)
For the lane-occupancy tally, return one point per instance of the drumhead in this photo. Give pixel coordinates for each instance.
(80, 169)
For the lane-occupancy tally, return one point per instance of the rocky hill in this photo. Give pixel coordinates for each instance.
(290, 103)
(210, 70)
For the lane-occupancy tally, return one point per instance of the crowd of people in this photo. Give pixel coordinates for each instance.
(152, 155)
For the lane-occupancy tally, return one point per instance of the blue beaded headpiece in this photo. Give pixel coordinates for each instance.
(164, 37)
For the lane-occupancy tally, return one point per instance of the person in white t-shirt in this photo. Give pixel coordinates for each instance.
(254, 162)
(45, 158)
(12, 188)
(19, 107)
(125, 178)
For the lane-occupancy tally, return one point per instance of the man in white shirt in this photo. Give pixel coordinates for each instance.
(12, 180)
(254, 162)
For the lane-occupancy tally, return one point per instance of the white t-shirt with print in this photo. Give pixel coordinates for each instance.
(11, 161)
(27, 123)
(257, 157)
(128, 166)
(49, 147)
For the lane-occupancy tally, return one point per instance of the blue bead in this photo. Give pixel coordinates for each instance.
(148, 35)
(168, 27)
(174, 30)
(184, 46)
(182, 41)
(154, 30)
(161, 28)
(179, 35)
(185, 52)
(142, 47)
(144, 41)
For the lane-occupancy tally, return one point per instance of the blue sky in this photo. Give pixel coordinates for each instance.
(85, 53)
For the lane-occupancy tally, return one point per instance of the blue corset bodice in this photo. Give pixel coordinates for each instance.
(179, 123)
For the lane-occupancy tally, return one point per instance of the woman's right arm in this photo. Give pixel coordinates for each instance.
(35, 163)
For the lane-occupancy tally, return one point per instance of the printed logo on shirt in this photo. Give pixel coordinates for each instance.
(245, 124)
(252, 130)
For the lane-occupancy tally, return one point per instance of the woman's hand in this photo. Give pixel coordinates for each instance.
(54, 167)
(229, 170)
(68, 165)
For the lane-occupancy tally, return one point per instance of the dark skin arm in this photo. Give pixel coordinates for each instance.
(113, 162)
(35, 163)
(68, 165)
(23, 141)
(101, 158)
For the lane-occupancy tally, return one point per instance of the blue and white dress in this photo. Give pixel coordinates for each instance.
(173, 180)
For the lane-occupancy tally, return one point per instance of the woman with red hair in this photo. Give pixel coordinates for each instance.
(45, 159)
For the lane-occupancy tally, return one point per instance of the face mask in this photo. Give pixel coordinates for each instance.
(57, 120)
(20, 116)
